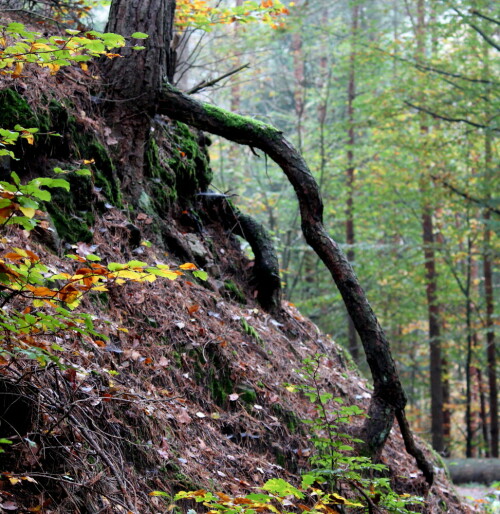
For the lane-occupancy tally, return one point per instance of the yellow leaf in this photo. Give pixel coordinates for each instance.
(27, 211)
(189, 266)
(100, 288)
(88, 161)
(17, 70)
(14, 481)
(36, 47)
(54, 68)
(132, 275)
(84, 66)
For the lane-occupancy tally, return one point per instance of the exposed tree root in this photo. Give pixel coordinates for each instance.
(388, 396)
(266, 269)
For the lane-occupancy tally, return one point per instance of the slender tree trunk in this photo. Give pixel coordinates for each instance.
(351, 141)
(482, 411)
(299, 89)
(488, 286)
(435, 356)
(469, 430)
(490, 338)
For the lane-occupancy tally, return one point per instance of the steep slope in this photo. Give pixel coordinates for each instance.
(189, 390)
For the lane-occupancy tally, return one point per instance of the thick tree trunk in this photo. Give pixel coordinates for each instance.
(135, 81)
(139, 77)
(388, 395)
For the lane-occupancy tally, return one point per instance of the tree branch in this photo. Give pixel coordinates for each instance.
(388, 395)
(481, 15)
(210, 83)
(447, 118)
(467, 196)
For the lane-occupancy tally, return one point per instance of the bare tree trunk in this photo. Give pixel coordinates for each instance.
(490, 339)
(488, 286)
(469, 431)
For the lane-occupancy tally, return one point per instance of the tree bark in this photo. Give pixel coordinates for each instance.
(135, 82)
(388, 395)
(435, 356)
(351, 141)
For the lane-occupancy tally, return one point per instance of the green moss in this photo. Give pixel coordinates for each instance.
(288, 417)
(162, 183)
(220, 386)
(14, 109)
(88, 147)
(247, 393)
(189, 163)
(237, 122)
(69, 227)
(234, 292)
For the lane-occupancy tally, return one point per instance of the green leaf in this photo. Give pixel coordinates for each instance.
(159, 493)
(116, 266)
(281, 488)
(139, 35)
(307, 481)
(92, 257)
(202, 275)
(5, 441)
(84, 172)
(137, 264)
(15, 178)
(53, 182)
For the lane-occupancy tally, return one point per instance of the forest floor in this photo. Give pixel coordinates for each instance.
(479, 494)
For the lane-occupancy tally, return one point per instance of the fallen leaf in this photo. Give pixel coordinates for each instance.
(233, 397)
(183, 417)
(193, 308)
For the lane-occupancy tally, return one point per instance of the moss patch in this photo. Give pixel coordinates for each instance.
(234, 292)
(89, 147)
(161, 177)
(189, 162)
(237, 122)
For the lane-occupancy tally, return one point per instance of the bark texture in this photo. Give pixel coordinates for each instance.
(388, 396)
(140, 76)
(134, 83)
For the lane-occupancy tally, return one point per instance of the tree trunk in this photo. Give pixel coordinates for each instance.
(139, 77)
(488, 282)
(490, 339)
(435, 357)
(135, 81)
(351, 141)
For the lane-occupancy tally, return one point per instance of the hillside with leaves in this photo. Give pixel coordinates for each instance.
(136, 360)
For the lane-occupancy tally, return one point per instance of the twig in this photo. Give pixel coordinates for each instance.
(90, 439)
(465, 195)
(209, 83)
(446, 118)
